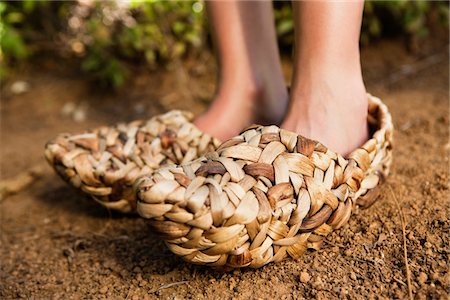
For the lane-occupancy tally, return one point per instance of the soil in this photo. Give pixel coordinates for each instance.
(57, 243)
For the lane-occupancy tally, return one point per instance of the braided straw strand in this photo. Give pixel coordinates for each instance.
(106, 161)
(265, 195)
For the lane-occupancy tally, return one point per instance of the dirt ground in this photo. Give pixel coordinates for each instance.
(57, 243)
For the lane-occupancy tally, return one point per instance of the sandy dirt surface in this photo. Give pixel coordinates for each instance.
(57, 243)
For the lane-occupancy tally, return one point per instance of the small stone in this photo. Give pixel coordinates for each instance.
(348, 252)
(20, 87)
(79, 115)
(427, 245)
(304, 277)
(103, 290)
(411, 236)
(68, 108)
(422, 278)
(353, 275)
(232, 283)
(318, 283)
(374, 225)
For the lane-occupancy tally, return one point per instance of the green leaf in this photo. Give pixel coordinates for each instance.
(285, 26)
(12, 44)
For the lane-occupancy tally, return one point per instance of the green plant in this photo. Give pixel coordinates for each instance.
(284, 23)
(12, 44)
(151, 32)
(411, 18)
(106, 37)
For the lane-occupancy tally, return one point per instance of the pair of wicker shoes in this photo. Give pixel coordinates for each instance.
(260, 197)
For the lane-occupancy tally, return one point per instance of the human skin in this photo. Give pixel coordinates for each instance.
(327, 101)
(251, 87)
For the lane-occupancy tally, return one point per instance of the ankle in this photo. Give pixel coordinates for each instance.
(240, 104)
(330, 109)
(236, 90)
(327, 87)
(266, 99)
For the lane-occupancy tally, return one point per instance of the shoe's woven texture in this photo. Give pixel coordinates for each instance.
(106, 162)
(265, 195)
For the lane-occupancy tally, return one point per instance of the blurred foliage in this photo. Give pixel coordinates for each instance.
(413, 18)
(107, 37)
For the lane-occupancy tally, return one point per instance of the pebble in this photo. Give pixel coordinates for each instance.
(353, 275)
(20, 87)
(427, 245)
(335, 249)
(232, 283)
(422, 278)
(79, 115)
(374, 225)
(318, 283)
(304, 277)
(68, 108)
(103, 290)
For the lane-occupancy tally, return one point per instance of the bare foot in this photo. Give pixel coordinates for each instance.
(331, 109)
(235, 108)
(251, 87)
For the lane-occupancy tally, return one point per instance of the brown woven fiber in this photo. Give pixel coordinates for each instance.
(105, 162)
(265, 195)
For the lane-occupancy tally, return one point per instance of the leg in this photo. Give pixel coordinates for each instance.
(328, 98)
(251, 88)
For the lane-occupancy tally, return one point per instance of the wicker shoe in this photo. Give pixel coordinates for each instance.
(105, 162)
(264, 195)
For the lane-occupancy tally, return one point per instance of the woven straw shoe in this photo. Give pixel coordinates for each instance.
(264, 195)
(105, 162)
